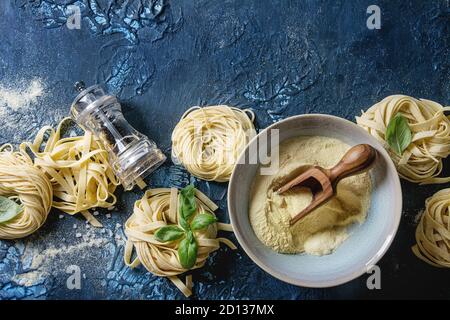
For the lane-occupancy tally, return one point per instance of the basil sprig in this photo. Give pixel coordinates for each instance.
(201, 221)
(187, 251)
(8, 209)
(169, 233)
(398, 134)
(189, 222)
(187, 206)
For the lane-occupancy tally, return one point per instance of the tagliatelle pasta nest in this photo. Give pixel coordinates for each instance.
(21, 180)
(421, 162)
(159, 208)
(78, 169)
(433, 231)
(208, 140)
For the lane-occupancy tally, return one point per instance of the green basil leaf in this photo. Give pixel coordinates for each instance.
(202, 220)
(187, 251)
(169, 233)
(398, 134)
(188, 205)
(8, 209)
(184, 224)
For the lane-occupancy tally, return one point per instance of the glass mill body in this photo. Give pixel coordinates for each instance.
(132, 155)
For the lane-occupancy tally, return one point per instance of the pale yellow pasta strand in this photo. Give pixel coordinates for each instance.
(422, 161)
(20, 179)
(208, 141)
(152, 212)
(433, 231)
(78, 169)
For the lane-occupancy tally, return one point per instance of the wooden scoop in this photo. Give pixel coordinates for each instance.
(322, 182)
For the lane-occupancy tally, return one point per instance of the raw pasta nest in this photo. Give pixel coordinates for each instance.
(422, 160)
(21, 180)
(433, 231)
(78, 169)
(157, 208)
(208, 141)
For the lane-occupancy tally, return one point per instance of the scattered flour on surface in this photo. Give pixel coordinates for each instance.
(119, 235)
(21, 96)
(40, 262)
(418, 216)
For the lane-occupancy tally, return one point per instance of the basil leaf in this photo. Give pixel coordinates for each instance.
(188, 205)
(187, 251)
(398, 134)
(184, 224)
(169, 233)
(202, 220)
(8, 209)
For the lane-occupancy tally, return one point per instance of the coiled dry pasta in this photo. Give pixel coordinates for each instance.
(422, 160)
(78, 169)
(21, 180)
(208, 141)
(433, 231)
(157, 208)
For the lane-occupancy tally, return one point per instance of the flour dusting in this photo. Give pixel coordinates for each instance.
(40, 263)
(21, 96)
(418, 216)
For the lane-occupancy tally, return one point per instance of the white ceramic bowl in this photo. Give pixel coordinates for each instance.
(367, 242)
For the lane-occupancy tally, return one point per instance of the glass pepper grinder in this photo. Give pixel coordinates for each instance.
(132, 155)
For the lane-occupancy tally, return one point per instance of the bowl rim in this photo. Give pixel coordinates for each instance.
(383, 247)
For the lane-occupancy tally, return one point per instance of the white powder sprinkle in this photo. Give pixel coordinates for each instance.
(61, 216)
(108, 215)
(78, 235)
(418, 216)
(74, 226)
(41, 263)
(22, 97)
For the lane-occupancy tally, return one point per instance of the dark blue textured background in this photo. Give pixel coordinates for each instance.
(280, 58)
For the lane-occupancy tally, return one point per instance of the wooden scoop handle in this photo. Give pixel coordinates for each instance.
(358, 159)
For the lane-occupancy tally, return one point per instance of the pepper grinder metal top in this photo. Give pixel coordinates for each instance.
(132, 155)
